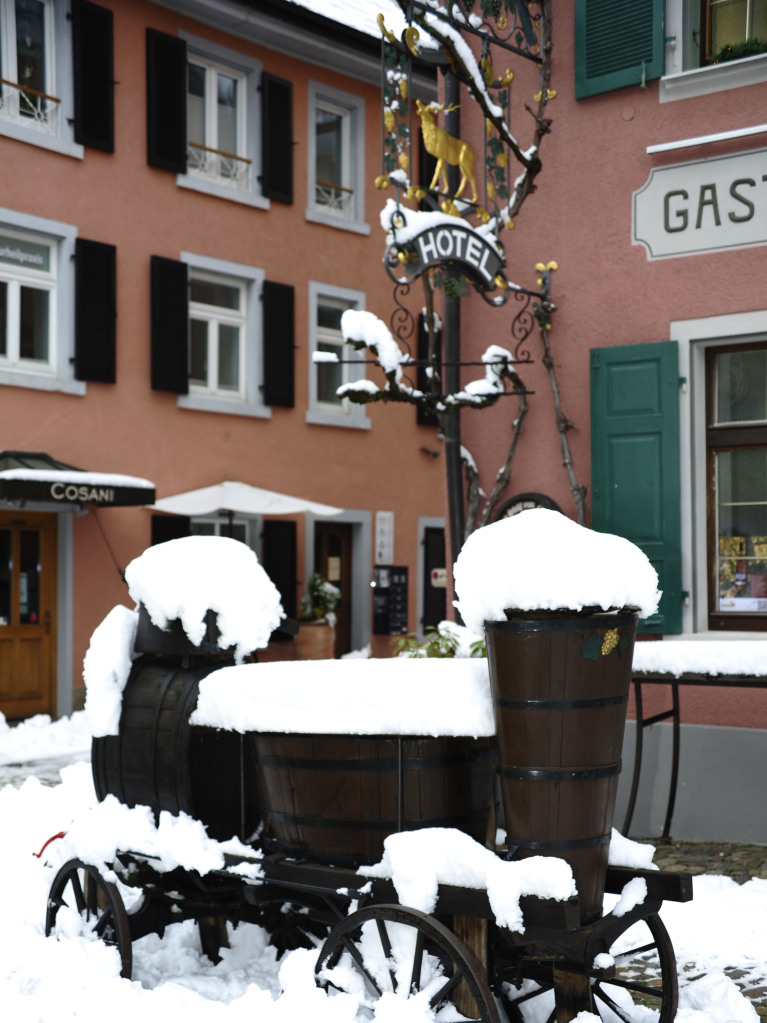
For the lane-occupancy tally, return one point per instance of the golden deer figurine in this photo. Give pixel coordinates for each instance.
(446, 148)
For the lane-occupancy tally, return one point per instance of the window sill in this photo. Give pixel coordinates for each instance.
(355, 226)
(16, 131)
(359, 422)
(200, 403)
(37, 382)
(707, 80)
(227, 192)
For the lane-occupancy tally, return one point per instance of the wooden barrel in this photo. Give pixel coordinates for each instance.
(336, 797)
(159, 760)
(560, 685)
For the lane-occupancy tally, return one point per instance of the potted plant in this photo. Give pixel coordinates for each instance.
(317, 621)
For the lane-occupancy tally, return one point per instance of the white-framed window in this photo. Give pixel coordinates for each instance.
(217, 332)
(37, 303)
(695, 32)
(216, 123)
(27, 296)
(700, 342)
(223, 122)
(225, 337)
(327, 303)
(336, 133)
(36, 91)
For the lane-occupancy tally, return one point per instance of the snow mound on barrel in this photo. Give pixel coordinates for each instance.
(541, 560)
(185, 578)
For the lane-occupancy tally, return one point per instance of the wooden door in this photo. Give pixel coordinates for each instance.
(333, 560)
(27, 614)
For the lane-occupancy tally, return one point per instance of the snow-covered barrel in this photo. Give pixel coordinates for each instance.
(203, 603)
(159, 760)
(348, 752)
(559, 605)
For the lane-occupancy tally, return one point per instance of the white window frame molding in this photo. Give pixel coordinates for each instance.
(354, 109)
(249, 70)
(351, 414)
(681, 82)
(252, 404)
(221, 315)
(694, 337)
(61, 77)
(59, 376)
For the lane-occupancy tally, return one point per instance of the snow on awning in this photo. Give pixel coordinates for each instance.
(29, 476)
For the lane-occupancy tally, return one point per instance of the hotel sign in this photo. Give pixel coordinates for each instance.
(450, 243)
(703, 206)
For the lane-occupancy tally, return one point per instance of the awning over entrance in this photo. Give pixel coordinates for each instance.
(28, 476)
(231, 497)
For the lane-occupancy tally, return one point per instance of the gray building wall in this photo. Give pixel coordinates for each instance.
(722, 788)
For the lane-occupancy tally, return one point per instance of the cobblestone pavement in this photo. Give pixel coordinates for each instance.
(741, 863)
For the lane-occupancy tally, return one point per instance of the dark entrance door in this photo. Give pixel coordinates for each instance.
(434, 578)
(333, 560)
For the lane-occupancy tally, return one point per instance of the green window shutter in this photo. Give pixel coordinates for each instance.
(635, 461)
(617, 43)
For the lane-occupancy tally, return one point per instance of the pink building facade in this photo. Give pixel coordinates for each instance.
(186, 209)
(653, 203)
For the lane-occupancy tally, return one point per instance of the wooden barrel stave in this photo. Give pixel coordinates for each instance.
(335, 798)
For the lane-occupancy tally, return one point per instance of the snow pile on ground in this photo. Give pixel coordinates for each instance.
(540, 559)
(39, 738)
(73, 978)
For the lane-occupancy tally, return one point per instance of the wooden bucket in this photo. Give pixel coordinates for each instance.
(159, 760)
(336, 797)
(560, 684)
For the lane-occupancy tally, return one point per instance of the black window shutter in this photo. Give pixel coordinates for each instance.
(93, 65)
(279, 560)
(95, 311)
(169, 527)
(166, 101)
(424, 416)
(279, 343)
(617, 43)
(170, 325)
(277, 138)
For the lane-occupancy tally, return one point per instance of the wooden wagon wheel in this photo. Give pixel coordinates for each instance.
(645, 979)
(80, 889)
(391, 948)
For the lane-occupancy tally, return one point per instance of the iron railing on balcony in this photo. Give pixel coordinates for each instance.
(333, 197)
(218, 165)
(29, 107)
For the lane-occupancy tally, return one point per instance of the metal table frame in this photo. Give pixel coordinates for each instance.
(641, 678)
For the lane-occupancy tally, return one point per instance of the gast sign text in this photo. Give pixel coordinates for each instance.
(703, 206)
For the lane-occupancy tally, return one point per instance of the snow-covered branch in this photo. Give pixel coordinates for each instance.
(364, 330)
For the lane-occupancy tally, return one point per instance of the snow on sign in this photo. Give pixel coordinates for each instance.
(459, 244)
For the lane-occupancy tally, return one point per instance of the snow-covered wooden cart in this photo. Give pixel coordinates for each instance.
(362, 795)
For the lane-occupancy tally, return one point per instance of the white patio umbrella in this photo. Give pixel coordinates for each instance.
(233, 498)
